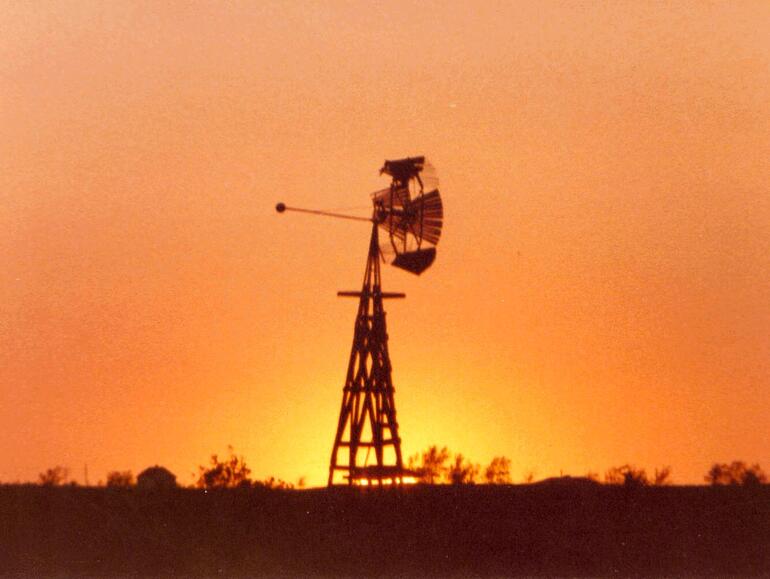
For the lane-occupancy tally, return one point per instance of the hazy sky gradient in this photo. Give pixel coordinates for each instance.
(600, 294)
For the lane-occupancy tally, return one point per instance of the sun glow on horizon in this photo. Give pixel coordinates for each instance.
(366, 482)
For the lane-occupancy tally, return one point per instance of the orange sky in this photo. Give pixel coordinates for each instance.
(600, 294)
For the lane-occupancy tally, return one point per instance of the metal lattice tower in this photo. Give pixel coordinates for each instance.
(367, 428)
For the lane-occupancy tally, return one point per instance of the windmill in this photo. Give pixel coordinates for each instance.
(367, 446)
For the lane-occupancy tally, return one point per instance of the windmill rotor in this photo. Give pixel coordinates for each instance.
(411, 212)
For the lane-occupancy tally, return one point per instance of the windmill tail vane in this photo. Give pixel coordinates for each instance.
(410, 212)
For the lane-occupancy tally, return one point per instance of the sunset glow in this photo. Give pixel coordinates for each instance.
(599, 296)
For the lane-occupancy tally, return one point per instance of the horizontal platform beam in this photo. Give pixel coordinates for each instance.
(384, 470)
(384, 295)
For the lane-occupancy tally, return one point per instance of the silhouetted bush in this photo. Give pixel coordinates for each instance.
(735, 473)
(529, 477)
(430, 466)
(462, 471)
(274, 483)
(53, 477)
(662, 476)
(228, 473)
(591, 475)
(627, 475)
(631, 476)
(120, 479)
(498, 471)
(156, 478)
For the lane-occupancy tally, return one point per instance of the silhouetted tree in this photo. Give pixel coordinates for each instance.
(735, 473)
(462, 471)
(228, 473)
(53, 477)
(498, 471)
(430, 465)
(627, 475)
(120, 479)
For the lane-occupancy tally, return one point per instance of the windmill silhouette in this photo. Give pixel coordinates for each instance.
(367, 445)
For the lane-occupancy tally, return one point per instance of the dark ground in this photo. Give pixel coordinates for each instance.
(565, 529)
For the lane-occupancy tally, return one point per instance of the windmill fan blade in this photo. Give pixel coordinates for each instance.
(430, 213)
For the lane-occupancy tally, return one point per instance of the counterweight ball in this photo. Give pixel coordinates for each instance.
(280, 208)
